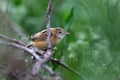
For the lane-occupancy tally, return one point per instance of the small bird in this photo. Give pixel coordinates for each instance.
(39, 39)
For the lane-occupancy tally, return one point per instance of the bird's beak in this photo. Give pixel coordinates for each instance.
(67, 33)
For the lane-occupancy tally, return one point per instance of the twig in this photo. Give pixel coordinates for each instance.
(33, 53)
(47, 68)
(49, 47)
(48, 24)
(17, 44)
(67, 67)
(39, 64)
(37, 55)
(52, 73)
(20, 45)
(12, 40)
(22, 48)
(32, 74)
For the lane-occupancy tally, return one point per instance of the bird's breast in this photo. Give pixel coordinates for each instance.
(55, 41)
(39, 44)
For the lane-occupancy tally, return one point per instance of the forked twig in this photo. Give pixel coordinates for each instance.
(39, 64)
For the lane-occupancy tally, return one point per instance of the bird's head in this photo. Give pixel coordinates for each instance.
(60, 33)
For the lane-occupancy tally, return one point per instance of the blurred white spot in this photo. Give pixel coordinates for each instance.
(104, 65)
(26, 60)
(3, 6)
(92, 64)
(96, 52)
(25, 39)
(72, 55)
(79, 41)
(117, 69)
(81, 35)
(32, 57)
(55, 48)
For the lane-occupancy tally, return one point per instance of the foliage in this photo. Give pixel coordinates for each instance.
(92, 48)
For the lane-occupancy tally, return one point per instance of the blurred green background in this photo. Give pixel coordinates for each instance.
(92, 48)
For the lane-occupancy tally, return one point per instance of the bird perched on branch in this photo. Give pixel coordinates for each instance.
(39, 39)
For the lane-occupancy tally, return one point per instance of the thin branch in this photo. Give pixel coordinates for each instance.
(49, 53)
(17, 44)
(36, 66)
(47, 68)
(22, 48)
(48, 23)
(39, 64)
(52, 73)
(67, 67)
(12, 40)
(33, 53)
(20, 45)
(37, 54)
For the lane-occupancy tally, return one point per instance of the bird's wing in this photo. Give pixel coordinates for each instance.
(40, 36)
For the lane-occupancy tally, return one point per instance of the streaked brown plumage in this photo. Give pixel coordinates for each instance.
(39, 39)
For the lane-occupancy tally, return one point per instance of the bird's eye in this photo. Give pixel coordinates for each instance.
(60, 32)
